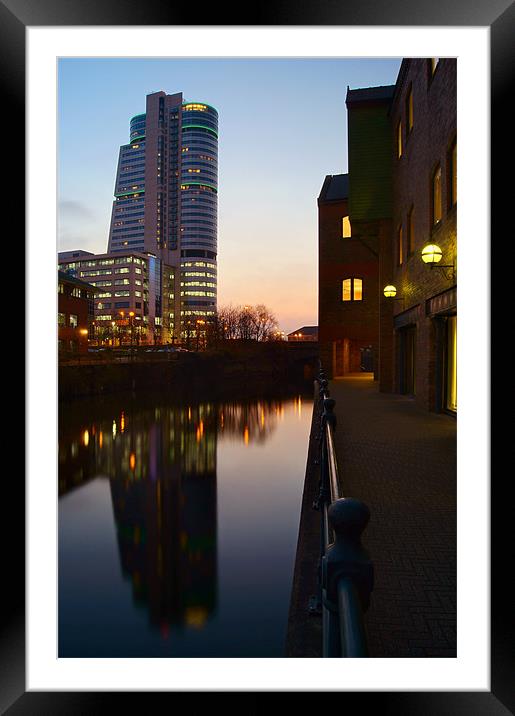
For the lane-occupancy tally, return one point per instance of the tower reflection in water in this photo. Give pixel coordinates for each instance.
(161, 466)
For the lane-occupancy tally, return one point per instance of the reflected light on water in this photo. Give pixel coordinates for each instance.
(176, 518)
(196, 617)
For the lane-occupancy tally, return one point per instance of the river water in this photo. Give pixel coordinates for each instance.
(178, 526)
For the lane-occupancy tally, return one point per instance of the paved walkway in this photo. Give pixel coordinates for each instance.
(401, 461)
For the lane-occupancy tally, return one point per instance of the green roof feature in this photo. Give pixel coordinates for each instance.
(199, 126)
(138, 115)
(138, 139)
(129, 193)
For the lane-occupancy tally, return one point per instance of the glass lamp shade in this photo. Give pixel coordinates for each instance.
(389, 291)
(431, 254)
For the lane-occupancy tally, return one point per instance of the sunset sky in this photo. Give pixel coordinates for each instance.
(283, 128)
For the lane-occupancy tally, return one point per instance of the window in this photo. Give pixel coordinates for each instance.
(434, 64)
(75, 292)
(409, 110)
(61, 319)
(400, 255)
(437, 195)
(74, 322)
(453, 183)
(399, 139)
(411, 232)
(352, 289)
(346, 232)
(60, 288)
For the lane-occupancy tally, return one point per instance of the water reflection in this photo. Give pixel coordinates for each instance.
(161, 465)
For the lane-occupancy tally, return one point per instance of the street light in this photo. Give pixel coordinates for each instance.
(390, 293)
(432, 255)
(131, 321)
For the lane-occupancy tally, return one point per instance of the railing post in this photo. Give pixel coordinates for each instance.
(347, 577)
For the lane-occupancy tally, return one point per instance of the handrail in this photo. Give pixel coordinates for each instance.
(345, 571)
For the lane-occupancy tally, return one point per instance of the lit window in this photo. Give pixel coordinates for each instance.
(61, 319)
(400, 256)
(74, 322)
(399, 139)
(437, 195)
(409, 110)
(352, 289)
(346, 232)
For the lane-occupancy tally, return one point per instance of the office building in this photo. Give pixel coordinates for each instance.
(166, 197)
(136, 296)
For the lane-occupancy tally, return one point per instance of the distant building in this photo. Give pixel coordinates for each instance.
(137, 295)
(398, 197)
(306, 333)
(75, 301)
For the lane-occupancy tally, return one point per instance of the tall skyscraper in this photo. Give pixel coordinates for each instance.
(166, 197)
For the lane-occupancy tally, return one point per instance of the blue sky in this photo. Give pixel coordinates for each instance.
(283, 128)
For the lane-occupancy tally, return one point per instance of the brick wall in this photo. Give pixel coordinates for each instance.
(353, 321)
(427, 145)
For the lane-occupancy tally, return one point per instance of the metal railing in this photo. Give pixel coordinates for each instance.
(345, 578)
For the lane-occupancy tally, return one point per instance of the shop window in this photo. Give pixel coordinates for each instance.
(451, 393)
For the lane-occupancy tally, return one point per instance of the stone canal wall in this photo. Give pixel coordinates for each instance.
(193, 372)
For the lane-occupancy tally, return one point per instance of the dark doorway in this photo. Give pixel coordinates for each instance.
(407, 360)
(367, 359)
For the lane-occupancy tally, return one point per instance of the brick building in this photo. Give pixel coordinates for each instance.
(74, 313)
(398, 197)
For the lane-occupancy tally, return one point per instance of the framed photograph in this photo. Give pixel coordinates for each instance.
(44, 49)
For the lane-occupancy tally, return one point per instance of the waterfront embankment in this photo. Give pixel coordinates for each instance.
(254, 368)
(401, 461)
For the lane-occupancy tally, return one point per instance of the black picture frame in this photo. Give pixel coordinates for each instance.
(499, 16)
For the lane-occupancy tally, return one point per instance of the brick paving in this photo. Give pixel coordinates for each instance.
(401, 461)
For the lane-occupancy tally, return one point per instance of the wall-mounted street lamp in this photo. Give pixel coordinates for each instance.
(432, 255)
(390, 293)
